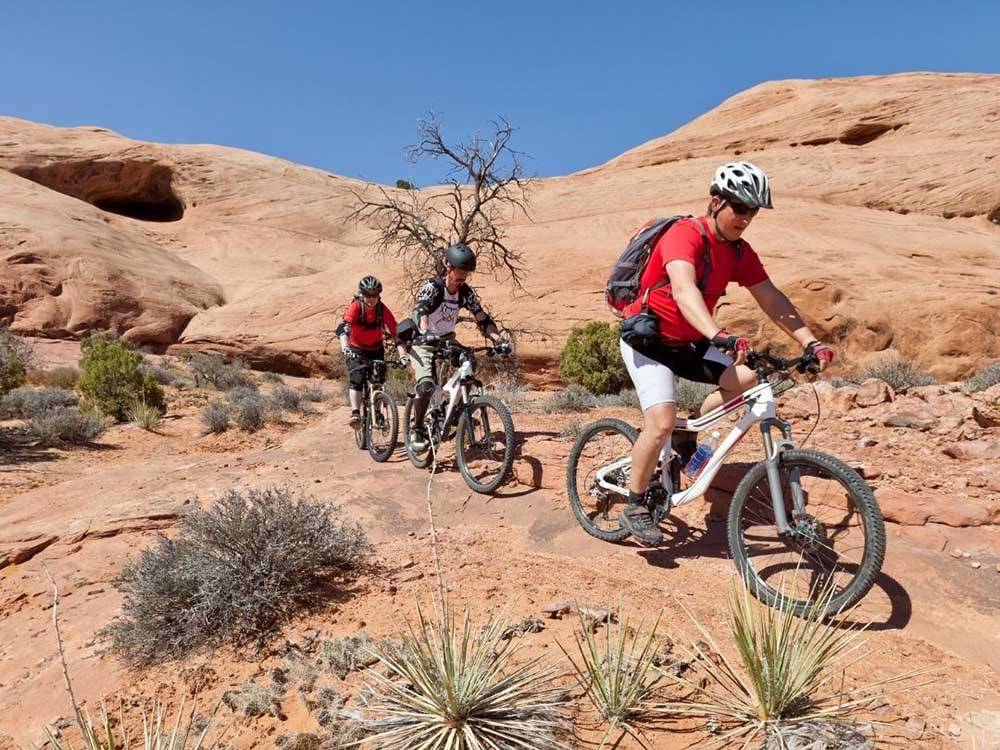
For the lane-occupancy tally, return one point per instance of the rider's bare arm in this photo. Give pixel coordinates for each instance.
(780, 309)
(684, 288)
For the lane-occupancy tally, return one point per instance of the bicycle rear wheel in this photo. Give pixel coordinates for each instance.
(382, 425)
(360, 432)
(604, 443)
(484, 444)
(836, 548)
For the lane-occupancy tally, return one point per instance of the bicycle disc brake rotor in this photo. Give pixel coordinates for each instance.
(809, 534)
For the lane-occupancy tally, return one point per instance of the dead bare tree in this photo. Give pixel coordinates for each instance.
(483, 186)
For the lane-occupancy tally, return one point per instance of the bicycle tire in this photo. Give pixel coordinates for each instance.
(421, 459)
(381, 455)
(465, 426)
(608, 425)
(857, 492)
(360, 432)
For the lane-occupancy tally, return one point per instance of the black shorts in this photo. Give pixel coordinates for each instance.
(358, 368)
(687, 361)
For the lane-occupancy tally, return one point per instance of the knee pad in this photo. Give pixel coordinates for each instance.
(424, 387)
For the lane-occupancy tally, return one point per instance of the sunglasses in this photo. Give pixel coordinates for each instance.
(742, 209)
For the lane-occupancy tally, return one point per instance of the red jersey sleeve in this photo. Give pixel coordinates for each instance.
(681, 242)
(749, 270)
(389, 321)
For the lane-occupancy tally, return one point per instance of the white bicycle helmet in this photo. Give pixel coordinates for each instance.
(744, 182)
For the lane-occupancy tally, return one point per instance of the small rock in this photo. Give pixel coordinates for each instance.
(911, 421)
(966, 555)
(556, 610)
(868, 442)
(986, 416)
(998, 567)
(977, 565)
(873, 392)
(956, 553)
(976, 482)
(955, 730)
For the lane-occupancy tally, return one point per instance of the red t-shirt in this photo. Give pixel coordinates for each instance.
(683, 242)
(365, 332)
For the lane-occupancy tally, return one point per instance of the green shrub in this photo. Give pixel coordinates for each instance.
(15, 359)
(592, 358)
(25, 403)
(234, 573)
(57, 377)
(111, 381)
(404, 184)
(985, 378)
(898, 373)
(65, 426)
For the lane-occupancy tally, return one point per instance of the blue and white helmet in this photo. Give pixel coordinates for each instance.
(743, 182)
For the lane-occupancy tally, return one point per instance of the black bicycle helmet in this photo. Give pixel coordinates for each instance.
(370, 285)
(460, 256)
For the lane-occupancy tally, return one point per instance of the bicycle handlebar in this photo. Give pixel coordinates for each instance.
(446, 345)
(765, 362)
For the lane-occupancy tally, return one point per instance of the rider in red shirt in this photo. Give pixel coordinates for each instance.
(366, 321)
(683, 281)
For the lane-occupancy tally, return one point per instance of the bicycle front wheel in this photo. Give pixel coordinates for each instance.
(484, 444)
(835, 549)
(420, 459)
(597, 476)
(382, 425)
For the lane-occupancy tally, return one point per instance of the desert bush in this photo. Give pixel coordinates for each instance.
(897, 372)
(164, 374)
(234, 573)
(691, 395)
(617, 673)
(574, 398)
(314, 392)
(462, 690)
(592, 358)
(63, 425)
(789, 671)
(215, 417)
(111, 381)
(397, 383)
(284, 398)
(985, 378)
(16, 357)
(248, 408)
(272, 377)
(509, 389)
(57, 377)
(25, 403)
(252, 700)
(625, 399)
(212, 369)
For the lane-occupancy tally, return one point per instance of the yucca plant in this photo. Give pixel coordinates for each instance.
(616, 672)
(186, 731)
(454, 687)
(791, 670)
(145, 415)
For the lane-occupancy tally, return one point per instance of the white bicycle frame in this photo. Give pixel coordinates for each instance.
(453, 387)
(760, 405)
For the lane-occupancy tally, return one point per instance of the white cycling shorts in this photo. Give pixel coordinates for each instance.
(654, 381)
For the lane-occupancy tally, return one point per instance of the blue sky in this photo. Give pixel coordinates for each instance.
(340, 85)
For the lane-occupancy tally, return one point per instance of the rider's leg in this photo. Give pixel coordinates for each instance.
(355, 398)
(734, 381)
(654, 385)
(356, 372)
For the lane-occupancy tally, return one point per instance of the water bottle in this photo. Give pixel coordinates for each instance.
(701, 456)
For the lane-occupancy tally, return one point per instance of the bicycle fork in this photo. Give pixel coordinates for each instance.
(772, 450)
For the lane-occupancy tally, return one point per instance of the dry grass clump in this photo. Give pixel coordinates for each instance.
(215, 417)
(511, 390)
(234, 573)
(315, 393)
(65, 426)
(57, 377)
(25, 403)
(690, 395)
(896, 372)
(144, 415)
(454, 685)
(985, 378)
(572, 430)
(252, 700)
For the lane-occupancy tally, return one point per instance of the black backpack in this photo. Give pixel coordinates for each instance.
(625, 278)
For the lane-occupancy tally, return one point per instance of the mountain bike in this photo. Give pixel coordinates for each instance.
(801, 525)
(481, 424)
(379, 428)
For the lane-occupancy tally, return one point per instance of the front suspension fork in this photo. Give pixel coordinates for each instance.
(773, 450)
